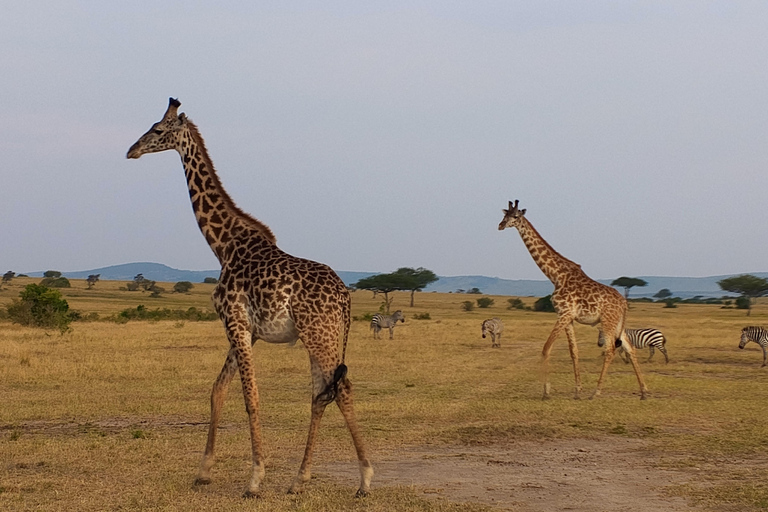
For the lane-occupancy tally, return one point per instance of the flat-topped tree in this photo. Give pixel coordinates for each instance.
(576, 298)
(262, 293)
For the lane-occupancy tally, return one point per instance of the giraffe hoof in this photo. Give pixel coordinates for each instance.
(546, 397)
(361, 493)
(202, 481)
(250, 495)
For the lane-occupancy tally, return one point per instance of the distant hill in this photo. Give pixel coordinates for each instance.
(684, 287)
(152, 271)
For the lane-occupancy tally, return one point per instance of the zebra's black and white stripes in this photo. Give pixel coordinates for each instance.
(379, 322)
(642, 338)
(494, 327)
(757, 334)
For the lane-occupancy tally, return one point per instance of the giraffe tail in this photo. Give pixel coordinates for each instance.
(331, 390)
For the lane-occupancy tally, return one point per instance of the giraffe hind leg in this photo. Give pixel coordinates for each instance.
(218, 395)
(345, 404)
(322, 382)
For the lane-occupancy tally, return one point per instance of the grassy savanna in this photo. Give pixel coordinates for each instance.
(114, 415)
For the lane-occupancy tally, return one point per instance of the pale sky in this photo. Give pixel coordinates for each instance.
(375, 135)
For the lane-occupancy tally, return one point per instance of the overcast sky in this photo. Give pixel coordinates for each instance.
(375, 135)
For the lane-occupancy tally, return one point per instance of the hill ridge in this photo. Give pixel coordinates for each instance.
(684, 287)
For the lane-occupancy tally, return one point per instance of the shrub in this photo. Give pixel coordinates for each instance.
(140, 312)
(55, 282)
(40, 306)
(515, 304)
(544, 304)
(670, 303)
(467, 305)
(484, 302)
(421, 316)
(365, 317)
(183, 287)
(156, 290)
(475, 291)
(210, 280)
(51, 273)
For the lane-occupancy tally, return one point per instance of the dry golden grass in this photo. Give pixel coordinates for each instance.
(114, 416)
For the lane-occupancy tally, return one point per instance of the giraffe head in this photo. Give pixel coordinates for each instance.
(512, 217)
(163, 135)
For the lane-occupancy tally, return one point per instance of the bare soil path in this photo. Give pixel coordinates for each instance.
(576, 475)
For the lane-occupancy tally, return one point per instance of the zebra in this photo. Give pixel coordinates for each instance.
(757, 334)
(379, 321)
(641, 338)
(494, 327)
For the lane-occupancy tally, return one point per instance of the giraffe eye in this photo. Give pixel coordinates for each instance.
(157, 131)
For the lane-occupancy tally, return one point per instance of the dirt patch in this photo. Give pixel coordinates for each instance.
(576, 475)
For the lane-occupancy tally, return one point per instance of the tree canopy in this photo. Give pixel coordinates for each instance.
(403, 279)
(627, 283)
(415, 280)
(747, 285)
(663, 293)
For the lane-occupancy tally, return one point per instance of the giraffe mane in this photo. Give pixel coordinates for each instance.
(230, 204)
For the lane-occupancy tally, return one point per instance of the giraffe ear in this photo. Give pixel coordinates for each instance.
(522, 212)
(183, 117)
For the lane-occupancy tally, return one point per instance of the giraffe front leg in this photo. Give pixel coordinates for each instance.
(239, 335)
(218, 395)
(574, 350)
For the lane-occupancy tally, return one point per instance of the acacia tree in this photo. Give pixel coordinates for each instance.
(382, 283)
(747, 285)
(663, 294)
(92, 280)
(627, 283)
(415, 280)
(7, 277)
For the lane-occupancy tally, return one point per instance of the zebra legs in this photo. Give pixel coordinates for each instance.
(218, 394)
(664, 351)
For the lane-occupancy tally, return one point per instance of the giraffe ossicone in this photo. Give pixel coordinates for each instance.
(576, 298)
(262, 293)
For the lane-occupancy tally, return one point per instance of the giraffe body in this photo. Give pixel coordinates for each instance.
(576, 298)
(262, 293)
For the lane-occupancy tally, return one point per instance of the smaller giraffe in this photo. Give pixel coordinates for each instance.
(494, 327)
(576, 298)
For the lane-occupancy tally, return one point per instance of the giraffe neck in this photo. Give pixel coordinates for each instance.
(219, 219)
(554, 265)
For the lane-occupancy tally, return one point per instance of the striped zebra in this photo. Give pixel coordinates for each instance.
(641, 338)
(379, 321)
(494, 327)
(757, 334)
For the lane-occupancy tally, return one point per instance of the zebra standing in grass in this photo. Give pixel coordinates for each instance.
(641, 338)
(758, 335)
(379, 321)
(494, 327)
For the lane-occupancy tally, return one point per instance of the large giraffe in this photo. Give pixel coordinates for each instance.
(263, 293)
(576, 298)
